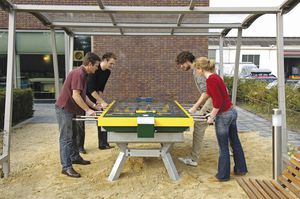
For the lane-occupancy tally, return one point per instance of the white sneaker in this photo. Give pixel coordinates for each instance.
(188, 161)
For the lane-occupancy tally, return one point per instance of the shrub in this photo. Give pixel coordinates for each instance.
(256, 98)
(22, 105)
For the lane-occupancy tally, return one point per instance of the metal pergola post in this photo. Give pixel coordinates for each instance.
(236, 66)
(55, 62)
(15, 84)
(221, 67)
(71, 50)
(281, 80)
(67, 59)
(5, 158)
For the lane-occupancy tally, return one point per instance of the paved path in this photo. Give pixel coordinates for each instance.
(247, 122)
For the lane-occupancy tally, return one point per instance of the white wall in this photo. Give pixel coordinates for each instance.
(267, 56)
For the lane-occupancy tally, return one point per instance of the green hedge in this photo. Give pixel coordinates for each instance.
(22, 105)
(254, 96)
(249, 90)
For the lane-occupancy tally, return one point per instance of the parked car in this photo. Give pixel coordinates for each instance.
(25, 83)
(262, 74)
(244, 69)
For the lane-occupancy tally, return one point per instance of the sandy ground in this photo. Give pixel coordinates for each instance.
(35, 169)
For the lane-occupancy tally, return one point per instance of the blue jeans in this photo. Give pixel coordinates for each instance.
(226, 129)
(67, 139)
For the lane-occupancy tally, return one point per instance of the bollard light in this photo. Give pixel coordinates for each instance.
(276, 142)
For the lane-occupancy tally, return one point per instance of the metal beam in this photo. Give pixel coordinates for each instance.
(221, 67)
(112, 18)
(42, 18)
(9, 91)
(145, 25)
(6, 5)
(47, 22)
(236, 67)
(55, 62)
(101, 5)
(71, 52)
(225, 31)
(281, 79)
(68, 31)
(250, 19)
(146, 9)
(67, 58)
(212, 34)
(180, 17)
(288, 5)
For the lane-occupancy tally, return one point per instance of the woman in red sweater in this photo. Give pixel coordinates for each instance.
(224, 116)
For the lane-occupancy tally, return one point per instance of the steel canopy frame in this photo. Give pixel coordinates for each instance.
(39, 12)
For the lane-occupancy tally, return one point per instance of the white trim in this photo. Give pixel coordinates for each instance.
(148, 34)
(146, 9)
(145, 25)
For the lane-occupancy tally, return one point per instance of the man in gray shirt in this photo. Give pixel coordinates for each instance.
(185, 60)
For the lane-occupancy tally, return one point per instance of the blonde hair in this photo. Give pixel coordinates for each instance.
(205, 64)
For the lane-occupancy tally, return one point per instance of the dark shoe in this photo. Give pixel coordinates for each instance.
(238, 173)
(81, 161)
(106, 147)
(216, 179)
(83, 151)
(71, 173)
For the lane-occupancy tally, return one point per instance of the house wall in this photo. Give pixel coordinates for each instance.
(268, 55)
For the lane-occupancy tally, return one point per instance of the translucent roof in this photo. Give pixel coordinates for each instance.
(164, 18)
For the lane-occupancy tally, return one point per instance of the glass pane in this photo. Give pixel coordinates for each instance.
(100, 30)
(195, 18)
(37, 70)
(77, 17)
(146, 30)
(3, 42)
(182, 30)
(3, 66)
(146, 18)
(82, 45)
(244, 58)
(28, 42)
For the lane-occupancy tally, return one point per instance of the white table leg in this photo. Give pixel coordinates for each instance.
(167, 159)
(119, 164)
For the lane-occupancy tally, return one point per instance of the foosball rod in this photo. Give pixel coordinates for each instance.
(84, 119)
(87, 116)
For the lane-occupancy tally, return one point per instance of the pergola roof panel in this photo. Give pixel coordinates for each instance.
(148, 30)
(195, 18)
(77, 17)
(146, 18)
(94, 29)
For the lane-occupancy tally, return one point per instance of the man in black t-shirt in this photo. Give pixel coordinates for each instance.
(95, 87)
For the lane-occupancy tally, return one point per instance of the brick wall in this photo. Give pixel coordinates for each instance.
(145, 65)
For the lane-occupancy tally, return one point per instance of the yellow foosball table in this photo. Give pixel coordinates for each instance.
(145, 121)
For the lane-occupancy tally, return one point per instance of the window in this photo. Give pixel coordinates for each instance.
(34, 60)
(251, 58)
(212, 54)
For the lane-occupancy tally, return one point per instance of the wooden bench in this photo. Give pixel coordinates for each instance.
(288, 185)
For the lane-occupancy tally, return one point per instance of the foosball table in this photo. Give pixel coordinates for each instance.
(145, 121)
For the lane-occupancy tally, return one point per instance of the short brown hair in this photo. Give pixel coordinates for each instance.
(185, 56)
(109, 56)
(90, 57)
